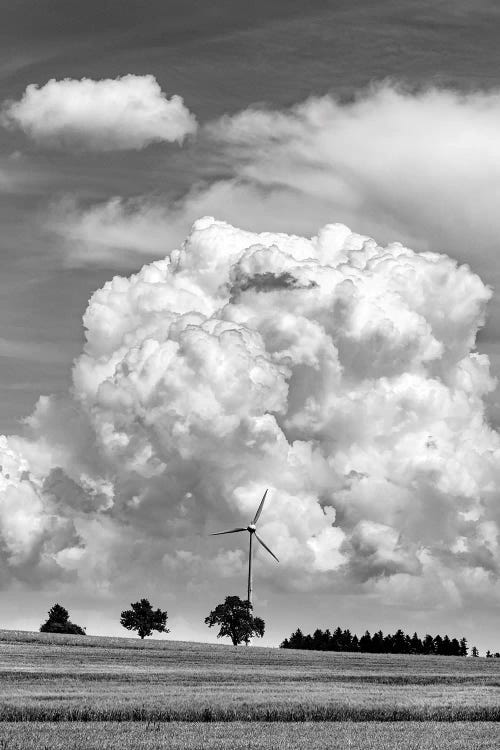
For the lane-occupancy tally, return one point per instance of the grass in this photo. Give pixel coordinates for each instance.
(47, 678)
(242, 736)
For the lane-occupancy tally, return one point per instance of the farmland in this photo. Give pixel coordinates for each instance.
(245, 736)
(105, 687)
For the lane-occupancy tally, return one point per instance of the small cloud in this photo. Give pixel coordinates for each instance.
(107, 115)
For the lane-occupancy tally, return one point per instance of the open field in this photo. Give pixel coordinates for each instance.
(46, 677)
(245, 736)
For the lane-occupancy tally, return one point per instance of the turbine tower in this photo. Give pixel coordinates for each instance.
(251, 528)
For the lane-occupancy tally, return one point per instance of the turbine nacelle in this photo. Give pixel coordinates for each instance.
(252, 530)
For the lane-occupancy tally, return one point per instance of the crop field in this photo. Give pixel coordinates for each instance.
(107, 692)
(250, 736)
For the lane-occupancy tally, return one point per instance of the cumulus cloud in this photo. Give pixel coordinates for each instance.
(33, 532)
(128, 112)
(339, 373)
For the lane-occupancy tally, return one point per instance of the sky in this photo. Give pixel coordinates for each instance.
(250, 246)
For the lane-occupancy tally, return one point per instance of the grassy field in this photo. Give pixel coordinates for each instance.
(245, 736)
(46, 677)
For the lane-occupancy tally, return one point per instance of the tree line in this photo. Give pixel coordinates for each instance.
(236, 620)
(378, 643)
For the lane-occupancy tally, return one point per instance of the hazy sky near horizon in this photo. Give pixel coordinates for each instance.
(282, 117)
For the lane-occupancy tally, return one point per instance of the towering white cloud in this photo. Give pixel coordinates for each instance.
(340, 374)
(129, 112)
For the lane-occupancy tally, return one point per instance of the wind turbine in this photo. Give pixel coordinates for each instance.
(251, 528)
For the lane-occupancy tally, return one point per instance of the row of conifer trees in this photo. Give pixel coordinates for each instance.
(378, 643)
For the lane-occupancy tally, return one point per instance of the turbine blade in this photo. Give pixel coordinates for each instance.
(259, 509)
(266, 547)
(231, 531)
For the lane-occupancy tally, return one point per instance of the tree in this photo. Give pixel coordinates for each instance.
(378, 642)
(295, 641)
(438, 645)
(319, 641)
(236, 620)
(58, 622)
(337, 639)
(399, 643)
(416, 646)
(327, 640)
(428, 644)
(143, 618)
(346, 640)
(474, 651)
(446, 646)
(365, 642)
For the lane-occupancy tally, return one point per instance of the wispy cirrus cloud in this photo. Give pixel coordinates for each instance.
(128, 112)
(117, 230)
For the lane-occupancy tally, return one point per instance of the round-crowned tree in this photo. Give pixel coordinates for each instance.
(236, 620)
(143, 618)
